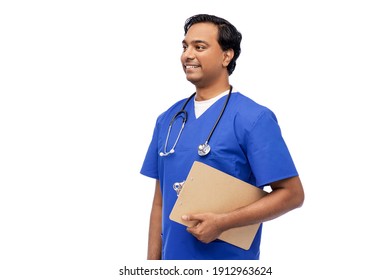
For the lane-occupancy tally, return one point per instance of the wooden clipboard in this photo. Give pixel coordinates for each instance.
(207, 189)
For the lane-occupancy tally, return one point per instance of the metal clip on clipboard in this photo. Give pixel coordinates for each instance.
(178, 187)
(210, 190)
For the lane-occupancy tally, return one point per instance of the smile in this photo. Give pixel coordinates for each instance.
(191, 66)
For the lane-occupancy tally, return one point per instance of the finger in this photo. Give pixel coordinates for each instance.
(186, 217)
(193, 231)
(193, 217)
(190, 230)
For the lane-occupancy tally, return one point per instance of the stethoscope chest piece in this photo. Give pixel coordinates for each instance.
(204, 149)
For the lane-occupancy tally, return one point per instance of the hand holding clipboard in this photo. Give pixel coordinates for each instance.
(207, 189)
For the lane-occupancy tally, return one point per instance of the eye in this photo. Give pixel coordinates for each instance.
(185, 48)
(200, 47)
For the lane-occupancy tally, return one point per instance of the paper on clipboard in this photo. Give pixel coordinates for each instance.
(207, 189)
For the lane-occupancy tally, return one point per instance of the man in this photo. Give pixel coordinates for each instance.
(246, 143)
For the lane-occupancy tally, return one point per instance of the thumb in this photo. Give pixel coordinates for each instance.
(193, 217)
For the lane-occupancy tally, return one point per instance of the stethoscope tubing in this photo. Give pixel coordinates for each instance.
(219, 117)
(204, 148)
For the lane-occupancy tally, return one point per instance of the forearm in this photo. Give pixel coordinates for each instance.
(278, 202)
(154, 242)
(155, 229)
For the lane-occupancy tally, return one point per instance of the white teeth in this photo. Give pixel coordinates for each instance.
(191, 66)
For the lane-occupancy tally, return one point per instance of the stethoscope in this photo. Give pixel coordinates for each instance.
(203, 149)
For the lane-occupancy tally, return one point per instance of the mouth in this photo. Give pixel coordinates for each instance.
(187, 67)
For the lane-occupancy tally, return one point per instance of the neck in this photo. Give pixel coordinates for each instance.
(210, 92)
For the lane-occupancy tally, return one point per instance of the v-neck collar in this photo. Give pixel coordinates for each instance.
(202, 106)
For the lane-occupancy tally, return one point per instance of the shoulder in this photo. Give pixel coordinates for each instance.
(248, 110)
(172, 110)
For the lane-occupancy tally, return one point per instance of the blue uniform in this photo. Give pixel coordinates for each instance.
(246, 144)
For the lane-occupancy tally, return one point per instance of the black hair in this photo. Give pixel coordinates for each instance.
(228, 36)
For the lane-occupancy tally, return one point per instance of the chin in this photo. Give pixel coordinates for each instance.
(193, 80)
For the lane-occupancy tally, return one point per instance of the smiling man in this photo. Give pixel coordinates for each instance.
(221, 127)
(204, 62)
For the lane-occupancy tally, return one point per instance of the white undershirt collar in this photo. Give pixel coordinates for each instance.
(201, 106)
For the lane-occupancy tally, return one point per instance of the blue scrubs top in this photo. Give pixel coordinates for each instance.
(247, 144)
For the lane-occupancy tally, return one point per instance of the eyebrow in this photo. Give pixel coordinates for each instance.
(196, 42)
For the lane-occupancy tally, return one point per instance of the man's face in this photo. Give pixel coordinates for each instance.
(202, 57)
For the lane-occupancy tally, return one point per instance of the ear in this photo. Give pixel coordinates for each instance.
(227, 57)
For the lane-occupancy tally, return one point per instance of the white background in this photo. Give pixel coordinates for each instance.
(82, 83)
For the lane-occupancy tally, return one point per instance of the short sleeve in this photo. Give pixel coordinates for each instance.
(150, 165)
(267, 151)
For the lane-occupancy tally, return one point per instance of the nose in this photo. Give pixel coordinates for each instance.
(188, 54)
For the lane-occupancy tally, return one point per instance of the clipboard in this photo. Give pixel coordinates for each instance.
(207, 189)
